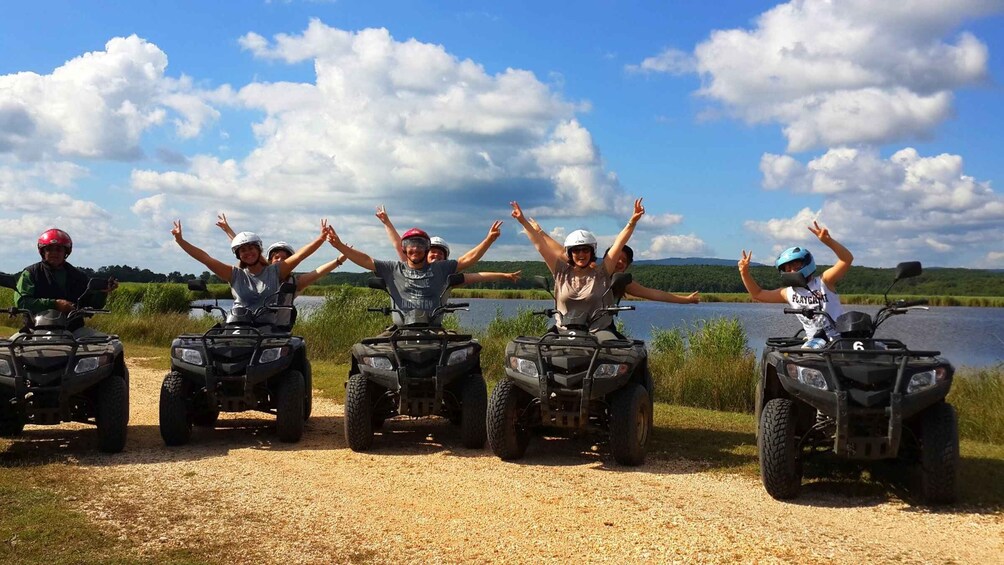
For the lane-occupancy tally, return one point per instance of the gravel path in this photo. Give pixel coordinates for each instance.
(418, 497)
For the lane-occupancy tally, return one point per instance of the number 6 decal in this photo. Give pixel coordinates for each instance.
(858, 346)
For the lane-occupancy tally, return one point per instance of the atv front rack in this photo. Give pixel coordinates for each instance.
(893, 354)
(582, 340)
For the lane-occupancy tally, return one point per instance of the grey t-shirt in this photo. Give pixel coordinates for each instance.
(250, 291)
(415, 289)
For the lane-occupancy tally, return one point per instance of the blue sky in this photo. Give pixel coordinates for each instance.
(738, 122)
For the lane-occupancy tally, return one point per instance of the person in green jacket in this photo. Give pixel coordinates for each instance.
(53, 283)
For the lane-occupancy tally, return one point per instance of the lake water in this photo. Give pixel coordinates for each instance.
(972, 337)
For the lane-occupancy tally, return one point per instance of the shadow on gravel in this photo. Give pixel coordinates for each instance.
(837, 483)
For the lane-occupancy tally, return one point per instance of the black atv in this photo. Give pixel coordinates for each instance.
(858, 397)
(418, 369)
(49, 376)
(245, 363)
(570, 380)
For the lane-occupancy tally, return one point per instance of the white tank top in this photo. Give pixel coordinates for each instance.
(818, 295)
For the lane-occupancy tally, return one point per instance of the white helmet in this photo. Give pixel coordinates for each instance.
(578, 238)
(440, 243)
(243, 238)
(278, 246)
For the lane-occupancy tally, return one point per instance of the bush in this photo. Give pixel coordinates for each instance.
(165, 298)
(708, 366)
(499, 333)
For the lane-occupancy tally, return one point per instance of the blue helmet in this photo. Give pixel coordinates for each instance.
(795, 254)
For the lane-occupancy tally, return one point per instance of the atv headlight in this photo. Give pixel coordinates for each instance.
(272, 354)
(190, 356)
(807, 376)
(524, 366)
(925, 380)
(6, 369)
(459, 356)
(610, 370)
(381, 363)
(85, 364)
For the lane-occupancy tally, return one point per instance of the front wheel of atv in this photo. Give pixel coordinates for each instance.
(289, 407)
(358, 413)
(175, 419)
(630, 414)
(939, 454)
(112, 414)
(473, 411)
(508, 436)
(780, 464)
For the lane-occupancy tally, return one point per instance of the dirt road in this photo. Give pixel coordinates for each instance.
(419, 497)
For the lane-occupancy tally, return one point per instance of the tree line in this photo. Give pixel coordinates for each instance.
(674, 278)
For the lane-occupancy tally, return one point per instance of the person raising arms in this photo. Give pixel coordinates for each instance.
(580, 280)
(819, 293)
(634, 289)
(251, 280)
(281, 251)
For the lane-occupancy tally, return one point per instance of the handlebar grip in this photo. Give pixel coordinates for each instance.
(793, 310)
(458, 305)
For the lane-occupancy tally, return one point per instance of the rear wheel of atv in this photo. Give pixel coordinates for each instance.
(289, 407)
(205, 417)
(358, 413)
(780, 464)
(630, 414)
(112, 414)
(939, 454)
(473, 411)
(11, 426)
(507, 435)
(308, 392)
(175, 419)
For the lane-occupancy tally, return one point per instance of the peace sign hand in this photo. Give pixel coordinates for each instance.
(639, 211)
(744, 262)
(517, 212)
(495, 231)
(381, 214)
(822, 233)
(176, 232)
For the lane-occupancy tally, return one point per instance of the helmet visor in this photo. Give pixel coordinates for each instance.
(419, 242)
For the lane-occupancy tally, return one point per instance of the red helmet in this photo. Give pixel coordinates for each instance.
(415, 233)
(55, 237)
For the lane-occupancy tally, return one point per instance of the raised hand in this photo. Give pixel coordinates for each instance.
(176, 232)
(495, 231)
(221, 222)
(517, 212)
(332, 237)
(324, 228)
(694, 298)
(639, 211)
(822, 233)
(744, 262)
(381, 214)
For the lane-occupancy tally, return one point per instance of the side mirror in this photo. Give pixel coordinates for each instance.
(795, 279)
(908, 269)
(8, 281)
(455, 279)
(197, 285)
(377, 283)
(97, 285)
(287, 288)
(542, 282)
(619, 282)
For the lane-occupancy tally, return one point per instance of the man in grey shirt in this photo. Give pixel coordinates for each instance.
(414, 284)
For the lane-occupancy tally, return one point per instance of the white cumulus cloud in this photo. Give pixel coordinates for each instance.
(836, 73)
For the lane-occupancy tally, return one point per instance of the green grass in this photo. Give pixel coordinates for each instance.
(978, 396)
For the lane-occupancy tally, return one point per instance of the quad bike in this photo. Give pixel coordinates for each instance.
(569, 379)
(245, 363)
(48, 375)
(859, 397)
(416, 369)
